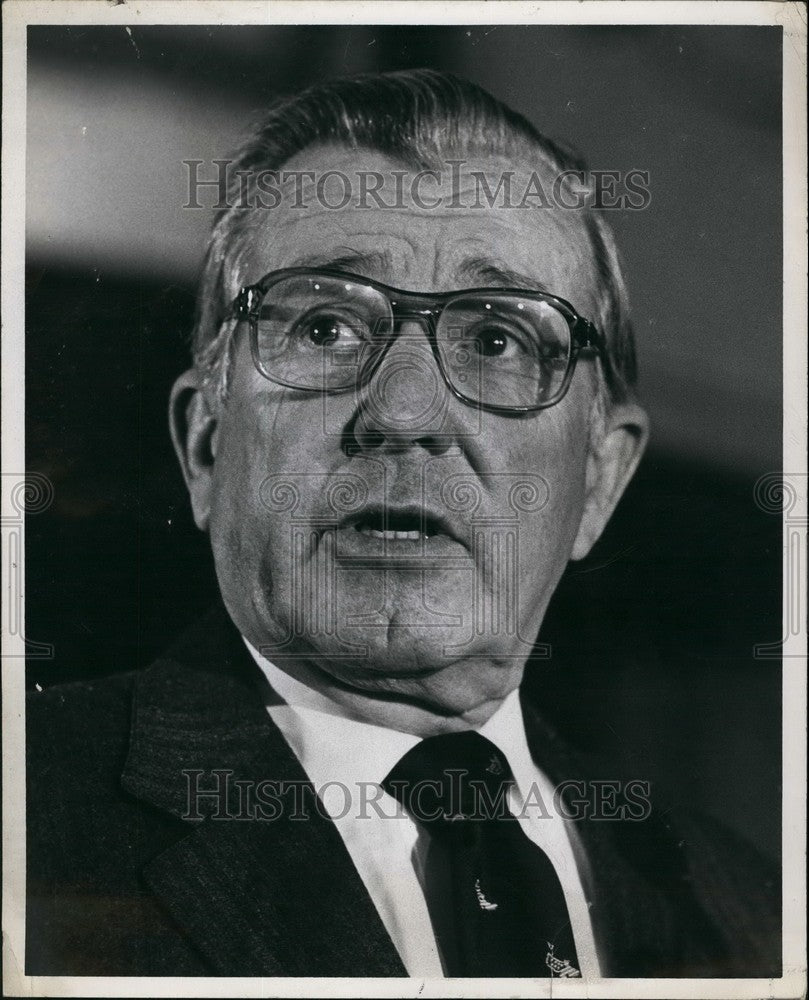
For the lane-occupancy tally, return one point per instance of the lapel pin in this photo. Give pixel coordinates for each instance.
(495, 767)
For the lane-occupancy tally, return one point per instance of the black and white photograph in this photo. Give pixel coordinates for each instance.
(344, 649)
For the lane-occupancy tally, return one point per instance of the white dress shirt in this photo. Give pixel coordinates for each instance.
(346, 759)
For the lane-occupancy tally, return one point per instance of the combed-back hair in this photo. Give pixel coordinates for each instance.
(421, 118)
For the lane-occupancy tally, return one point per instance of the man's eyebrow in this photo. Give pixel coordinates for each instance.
(379, 263)
(374, 262)
(489, 271)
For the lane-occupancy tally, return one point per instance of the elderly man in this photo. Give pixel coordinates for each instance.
(411, 405)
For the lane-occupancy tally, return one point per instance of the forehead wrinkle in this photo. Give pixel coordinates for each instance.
(346, 258)
(472, 271)
(490, 270)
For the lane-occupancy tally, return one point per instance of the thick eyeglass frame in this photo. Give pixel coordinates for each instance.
(426, 308)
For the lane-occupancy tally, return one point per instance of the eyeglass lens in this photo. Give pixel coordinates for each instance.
(500, 349)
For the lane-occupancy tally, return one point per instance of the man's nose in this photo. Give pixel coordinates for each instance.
(406, 399)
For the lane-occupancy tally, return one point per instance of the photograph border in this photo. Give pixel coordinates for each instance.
(790, 493)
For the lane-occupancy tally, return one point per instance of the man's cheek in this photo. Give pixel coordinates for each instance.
(547, 530)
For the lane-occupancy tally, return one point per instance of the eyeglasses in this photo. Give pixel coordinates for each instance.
(500, 349)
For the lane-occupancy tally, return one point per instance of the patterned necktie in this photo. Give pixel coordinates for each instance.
(495, 901)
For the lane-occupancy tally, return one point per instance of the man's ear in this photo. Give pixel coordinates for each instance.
(610, 465)
(194, 425)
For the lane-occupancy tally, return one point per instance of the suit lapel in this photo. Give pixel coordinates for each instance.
(645, 919)
(278, 895)
(261, 882)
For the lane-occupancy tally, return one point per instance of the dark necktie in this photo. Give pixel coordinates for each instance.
(495, 901)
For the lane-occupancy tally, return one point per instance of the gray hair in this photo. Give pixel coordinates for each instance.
(419, 117)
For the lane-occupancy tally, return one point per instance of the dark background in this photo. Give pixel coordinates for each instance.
(653, 635)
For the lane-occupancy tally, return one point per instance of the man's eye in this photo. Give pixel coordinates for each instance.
(495, 341)
(325, 329)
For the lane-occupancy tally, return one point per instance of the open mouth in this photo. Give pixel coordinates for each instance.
(409, 525)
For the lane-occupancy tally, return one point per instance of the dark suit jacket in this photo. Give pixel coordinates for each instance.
(119, 883)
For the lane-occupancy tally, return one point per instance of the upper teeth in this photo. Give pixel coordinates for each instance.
(412, 536)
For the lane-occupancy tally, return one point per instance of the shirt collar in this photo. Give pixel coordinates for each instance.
(334, 744)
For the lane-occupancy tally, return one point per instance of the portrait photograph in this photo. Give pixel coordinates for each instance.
(404, 499)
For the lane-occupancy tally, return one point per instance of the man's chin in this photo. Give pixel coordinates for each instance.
(415, 671)
(364, 643)
(407, 626)
(386, 651)
(440, 669)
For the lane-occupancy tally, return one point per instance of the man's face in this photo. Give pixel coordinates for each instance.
(299, 479)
